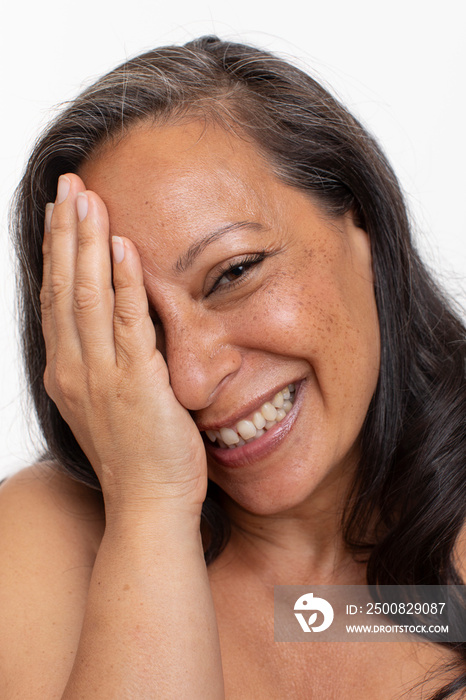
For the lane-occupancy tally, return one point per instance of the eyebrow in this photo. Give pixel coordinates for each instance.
(195, 249)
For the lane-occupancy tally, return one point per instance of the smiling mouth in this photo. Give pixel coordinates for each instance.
(252, 428)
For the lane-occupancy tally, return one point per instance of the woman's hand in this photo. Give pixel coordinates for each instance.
(103, 371)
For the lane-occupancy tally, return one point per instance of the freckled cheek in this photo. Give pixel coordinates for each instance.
(299, 323)
(312, 323)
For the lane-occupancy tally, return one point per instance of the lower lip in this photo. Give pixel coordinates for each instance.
(257, 449)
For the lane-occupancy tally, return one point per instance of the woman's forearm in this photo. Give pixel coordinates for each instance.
(149, 629)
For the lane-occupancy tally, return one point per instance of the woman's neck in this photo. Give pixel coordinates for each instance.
(299, 546)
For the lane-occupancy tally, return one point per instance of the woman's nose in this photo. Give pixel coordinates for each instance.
(199, 358)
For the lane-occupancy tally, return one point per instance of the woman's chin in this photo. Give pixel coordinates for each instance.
(303, 484)
(274, 493)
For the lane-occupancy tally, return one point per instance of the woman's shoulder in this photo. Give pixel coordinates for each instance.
(50, 530)
(47, 522)
(44, 499)
(49, 525)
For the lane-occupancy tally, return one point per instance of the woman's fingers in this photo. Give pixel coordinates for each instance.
(93, 291)
(60, 246)
(133, 329)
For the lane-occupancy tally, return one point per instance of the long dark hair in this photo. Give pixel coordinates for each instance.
(411, 480)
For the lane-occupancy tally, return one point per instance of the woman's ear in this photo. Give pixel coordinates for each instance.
(360, 243)
(358, 216)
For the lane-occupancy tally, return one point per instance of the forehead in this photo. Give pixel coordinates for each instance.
(190, 177)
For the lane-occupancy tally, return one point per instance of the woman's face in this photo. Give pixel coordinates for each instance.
(297, 308)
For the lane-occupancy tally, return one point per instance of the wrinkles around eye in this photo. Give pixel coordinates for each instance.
(243, 266)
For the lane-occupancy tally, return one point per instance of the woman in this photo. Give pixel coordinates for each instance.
(262, 331)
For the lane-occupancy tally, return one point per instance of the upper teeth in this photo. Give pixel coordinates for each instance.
(270, 413)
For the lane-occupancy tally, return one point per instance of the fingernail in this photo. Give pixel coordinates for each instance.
(48, 216)
(82, 205)
(63, 188)
(118, 249)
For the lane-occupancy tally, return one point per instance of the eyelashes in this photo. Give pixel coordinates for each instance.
(228, 277)
(236, 272)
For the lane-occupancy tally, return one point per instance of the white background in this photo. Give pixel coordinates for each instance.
(399, 66)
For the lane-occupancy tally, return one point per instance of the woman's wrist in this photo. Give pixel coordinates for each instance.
(153, 518)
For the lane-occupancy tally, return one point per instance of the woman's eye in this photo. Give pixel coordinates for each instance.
(232, 274)
(236, 272)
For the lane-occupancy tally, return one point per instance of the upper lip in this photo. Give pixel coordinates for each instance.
(245, 410)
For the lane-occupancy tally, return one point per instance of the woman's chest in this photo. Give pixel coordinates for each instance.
(258, 668)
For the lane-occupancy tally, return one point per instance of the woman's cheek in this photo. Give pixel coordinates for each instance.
(284, 318)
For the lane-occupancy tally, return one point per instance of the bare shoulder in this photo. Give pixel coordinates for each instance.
(42, 500)
(50, 530)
